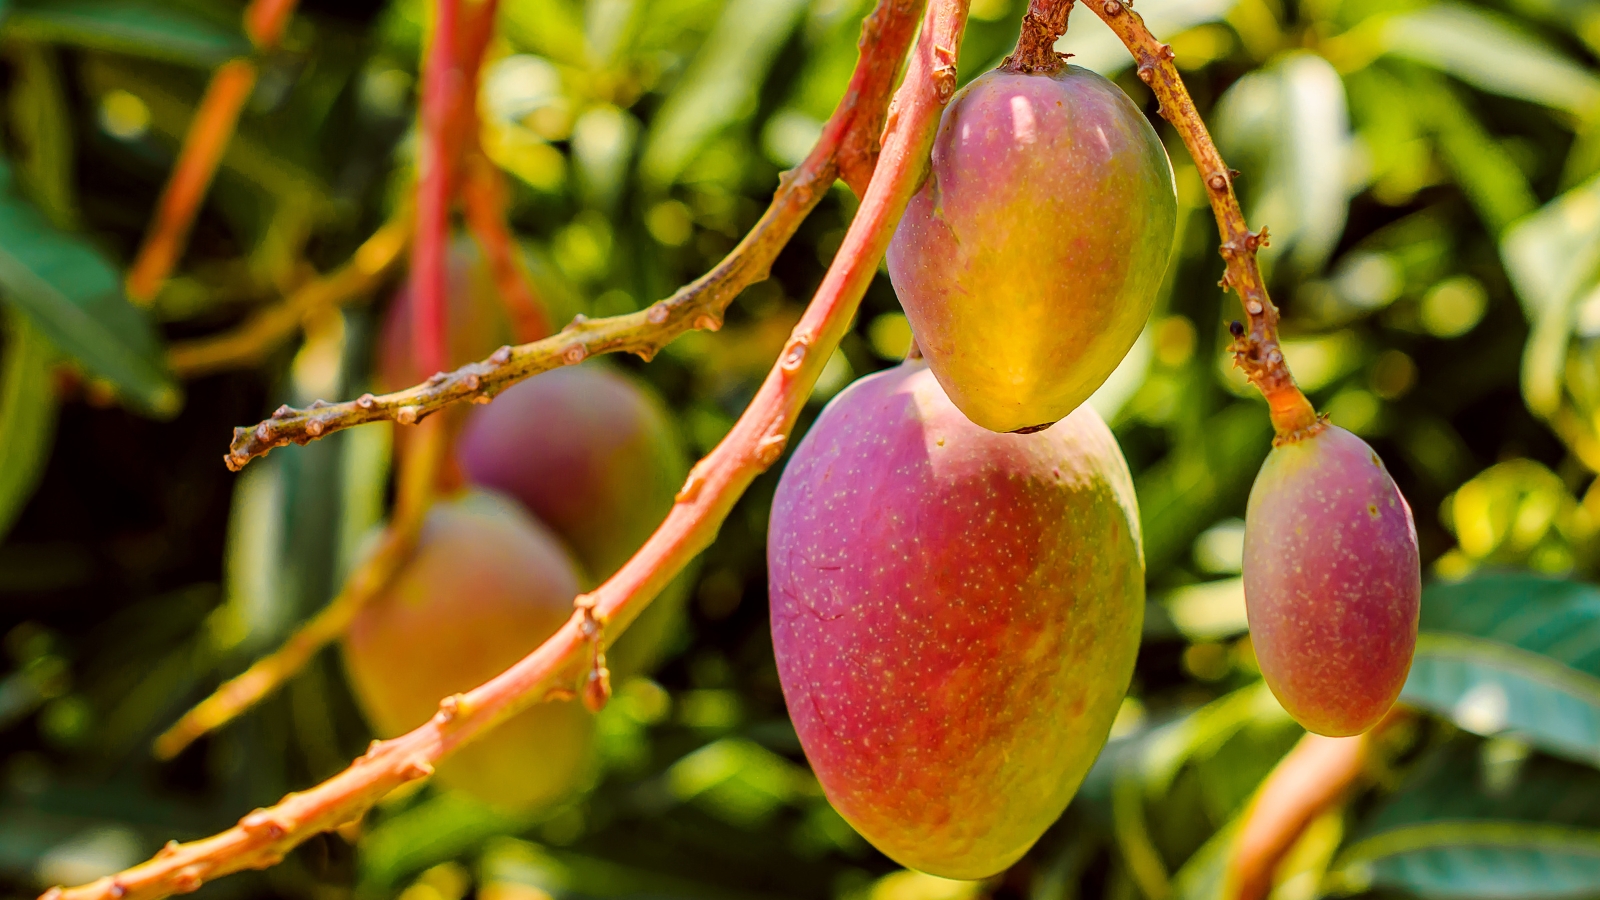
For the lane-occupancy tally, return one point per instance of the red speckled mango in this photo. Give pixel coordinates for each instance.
(955, 614)
(1030, 259)
(1332, 581)
(591, 453)
(486, 586)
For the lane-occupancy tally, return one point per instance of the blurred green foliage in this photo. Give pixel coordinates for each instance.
(1430, 172)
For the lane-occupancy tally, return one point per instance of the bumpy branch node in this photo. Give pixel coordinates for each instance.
(1255, 346)
(262, 838)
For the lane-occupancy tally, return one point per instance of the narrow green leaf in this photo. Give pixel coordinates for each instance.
(720, 86)
(1492, 54)
(135, 27)
(27, 417)
(1475, 859)
(75, 298)
(1481, 166)
(40, 115)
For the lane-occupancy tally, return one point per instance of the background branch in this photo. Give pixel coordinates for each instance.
(209, 132)
(849, 134)
(249, 343)
(755, 442)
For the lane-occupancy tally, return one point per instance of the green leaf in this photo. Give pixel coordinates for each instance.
(1466, 779)
(1485, 171)
(1476, 859)
(1488, 687)
(40, 115)
(1549, 616)
(720, 86)
(134, 27)
(74, 296)
(1492, 54)
(1291, 122)
(27, 417)
(1553, 258)
(1513, 653)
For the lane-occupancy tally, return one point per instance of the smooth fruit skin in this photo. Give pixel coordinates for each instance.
(592, 453)
(1030, 259)
(486, 586)
(1332, 581)
(955, 615)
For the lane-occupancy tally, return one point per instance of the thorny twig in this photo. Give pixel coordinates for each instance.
(262, 838)
(203, 145)
(1255, 346)
(847, 148)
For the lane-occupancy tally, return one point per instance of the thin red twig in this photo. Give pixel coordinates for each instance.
(203, 145)
(443, 84)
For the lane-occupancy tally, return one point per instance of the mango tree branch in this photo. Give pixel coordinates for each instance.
(1255, 346)
(755, 442)
(249, 343)
(203, 145)
(849, 136)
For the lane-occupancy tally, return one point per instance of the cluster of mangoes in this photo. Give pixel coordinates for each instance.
(548, 491)
(956, 574)
(955, 563)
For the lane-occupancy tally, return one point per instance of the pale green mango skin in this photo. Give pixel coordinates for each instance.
(486, 586)
(1030, 259)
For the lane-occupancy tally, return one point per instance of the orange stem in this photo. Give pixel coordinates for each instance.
(202, 150)
(265, 21)
(207, 139)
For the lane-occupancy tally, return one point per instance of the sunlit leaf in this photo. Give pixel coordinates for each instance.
(73, 296)
(134, 27)
(27, 417)
(1553, 258)
(1492, 54)
(719, 87)
(1290, 128)
(1095, 46)
(1481, 166)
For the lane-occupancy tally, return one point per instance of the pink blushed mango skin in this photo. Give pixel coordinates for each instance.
(1332, 581)
(955, 615)
(590, 452)
(1030, 259)
(486, 585)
